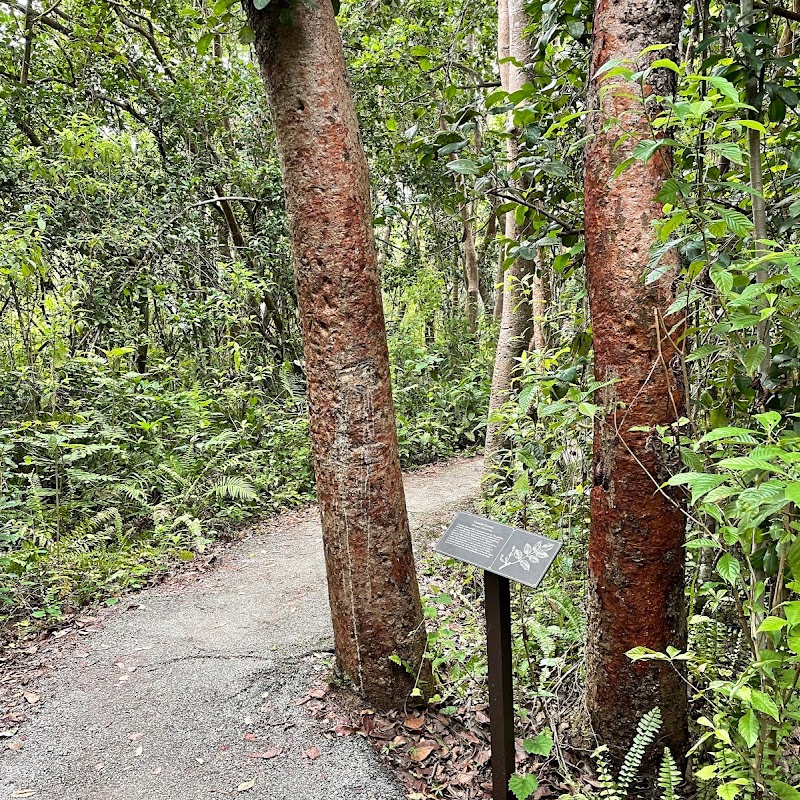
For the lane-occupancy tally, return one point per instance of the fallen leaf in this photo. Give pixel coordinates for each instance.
(420, 753)
(138, 751)
(135, 736)
(31, 697)
(246, 786)
(482, 718)
(17, 746)
(271, 753)
(343, 729)
(24, 793)
(318, 693)
(8, 732)
(415, 723)
(313, 753)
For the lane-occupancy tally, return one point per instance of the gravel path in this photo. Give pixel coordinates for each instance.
(172, 695)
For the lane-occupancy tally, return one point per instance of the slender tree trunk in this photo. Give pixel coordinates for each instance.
(636, 557)
(515, 319)
(470, 267)
(757, 184)
(372, 581)
(540, 300)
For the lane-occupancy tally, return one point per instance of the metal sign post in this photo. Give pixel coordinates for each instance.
(504, 553)
(501, 689)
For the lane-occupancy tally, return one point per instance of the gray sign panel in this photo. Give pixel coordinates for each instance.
(516, 554)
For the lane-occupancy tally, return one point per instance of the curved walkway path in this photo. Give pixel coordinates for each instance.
(173, 696)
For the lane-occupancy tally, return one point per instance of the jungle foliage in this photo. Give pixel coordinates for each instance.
(153, 391)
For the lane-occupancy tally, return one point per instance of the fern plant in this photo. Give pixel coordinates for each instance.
(619, 787)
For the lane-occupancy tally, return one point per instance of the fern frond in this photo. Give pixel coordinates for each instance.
(234, 487)
(646, 731)
(669, 777)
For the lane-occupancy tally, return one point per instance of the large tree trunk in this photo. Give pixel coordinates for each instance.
(636, 557)
(372, 582)
(515, 318)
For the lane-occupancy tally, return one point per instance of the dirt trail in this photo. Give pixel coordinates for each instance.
(173, 694)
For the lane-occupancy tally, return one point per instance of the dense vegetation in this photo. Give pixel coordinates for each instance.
(153, 391)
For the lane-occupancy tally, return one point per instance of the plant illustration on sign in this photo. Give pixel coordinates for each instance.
(530, 553)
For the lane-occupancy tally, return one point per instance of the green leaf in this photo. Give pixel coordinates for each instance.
(731, 151)
(700, 483)
(764, 703)
(729, 568)
(772, 624)
(540, 745)
(453, 147)
(261, 4)
(246, 35)
(523, 786)
(463, 166)
(749, 728)
(725, 87)
(793, 492)
(752, 358)
(728, 791)
(793, 558)
(645, 149)
(744, 464)
(792, 612)
(736, 222)
(783, 791)
(203, 43)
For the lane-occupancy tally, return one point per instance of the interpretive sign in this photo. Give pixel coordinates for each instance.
(511, 552)
(504, 554)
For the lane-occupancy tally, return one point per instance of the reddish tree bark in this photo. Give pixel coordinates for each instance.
(636, 557)
(372, 581)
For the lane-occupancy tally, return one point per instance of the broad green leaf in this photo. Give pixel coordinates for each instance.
(752, 358)
(749, 727)
(730, 434)
(725, 87)
(463, 166)
(764, 703)
(772, 624)
(744, 464)
(793, 492)
(731, 151)
(784, 791)
(203, 43)
(729, 568)
(540, 745)
(792, 612)
(736, 222)
(523, 786)
(246, 35)
(728, 791)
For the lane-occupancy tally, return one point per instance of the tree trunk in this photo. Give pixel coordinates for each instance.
(515, 320)
(470, 266)
(372, 582)
(540, 300)
(636, 557)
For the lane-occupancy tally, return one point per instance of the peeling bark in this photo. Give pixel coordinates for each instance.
(372, 581)
(636, 557)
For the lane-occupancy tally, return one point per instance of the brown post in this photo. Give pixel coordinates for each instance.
(497, 591)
